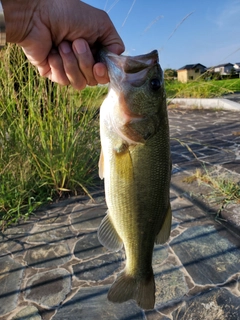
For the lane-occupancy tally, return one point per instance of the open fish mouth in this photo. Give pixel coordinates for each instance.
(133, 70)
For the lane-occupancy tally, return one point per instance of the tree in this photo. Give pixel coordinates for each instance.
(170, 74)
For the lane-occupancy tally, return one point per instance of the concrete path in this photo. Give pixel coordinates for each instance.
(233, 97)
(53, 267)
(217, 103)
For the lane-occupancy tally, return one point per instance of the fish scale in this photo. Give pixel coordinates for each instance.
(135, 163)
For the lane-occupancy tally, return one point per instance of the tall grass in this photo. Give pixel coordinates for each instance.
(49, 137)
(201, 88)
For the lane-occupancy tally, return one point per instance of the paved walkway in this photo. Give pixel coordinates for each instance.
(233, 97)
(53, 267)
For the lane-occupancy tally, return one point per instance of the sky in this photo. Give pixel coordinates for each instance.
(183, 31)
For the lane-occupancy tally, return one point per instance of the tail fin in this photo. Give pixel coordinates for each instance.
(126, 287)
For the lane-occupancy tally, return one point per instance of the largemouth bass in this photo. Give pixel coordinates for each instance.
(135, 163)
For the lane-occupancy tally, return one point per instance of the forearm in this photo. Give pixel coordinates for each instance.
(17, 15)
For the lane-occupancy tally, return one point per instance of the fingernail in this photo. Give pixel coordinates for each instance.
(100, 71)
(65, 47)
(80, 46)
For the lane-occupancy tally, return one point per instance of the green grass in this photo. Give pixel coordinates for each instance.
(201, 88)
(49, 138)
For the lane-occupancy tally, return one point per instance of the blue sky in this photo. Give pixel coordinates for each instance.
(183, 31)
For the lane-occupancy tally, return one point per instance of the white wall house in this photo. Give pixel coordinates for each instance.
(236, 66)
(223, 69)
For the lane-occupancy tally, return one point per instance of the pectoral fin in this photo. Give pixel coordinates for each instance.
(165, 230)
(108, 236)
(101, 165)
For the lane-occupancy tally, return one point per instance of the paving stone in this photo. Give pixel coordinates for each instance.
(28, 313)
(155, 315)
(208, 253)
(216, 304)
(91, 303)
(217, 158)
(184, 211)
(178, 158)
(88, 246)
(10, 246)
(231, 214)
(233, 165)
(11, 274)
(160, 254)
(56, 217)
(178, 148)
(19, 231)
(173, 195)
(50, 234)
(48, 289)
(46, 256)
(99, 197)
(89, 217)
(170, 283)
(100, 268)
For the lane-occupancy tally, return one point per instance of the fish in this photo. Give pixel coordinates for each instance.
(135, 163)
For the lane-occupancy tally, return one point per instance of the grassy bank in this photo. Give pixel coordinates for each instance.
(49, 138)
(201, 89)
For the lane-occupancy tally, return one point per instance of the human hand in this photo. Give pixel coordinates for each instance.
(60, 37)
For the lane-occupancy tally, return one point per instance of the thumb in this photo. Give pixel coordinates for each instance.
(116, 48)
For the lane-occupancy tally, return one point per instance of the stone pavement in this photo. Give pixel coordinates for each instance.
(233, 96)
(53, 267)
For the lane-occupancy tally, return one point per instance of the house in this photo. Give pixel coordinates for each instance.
(236, 66)
(223, 69)
(190, 72)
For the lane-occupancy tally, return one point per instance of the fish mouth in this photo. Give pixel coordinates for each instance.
(130, 69)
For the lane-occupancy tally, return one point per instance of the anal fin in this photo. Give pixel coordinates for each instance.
(108, 236)
(165, 230)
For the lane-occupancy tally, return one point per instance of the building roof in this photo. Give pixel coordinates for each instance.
(223, 65)
(192, 66)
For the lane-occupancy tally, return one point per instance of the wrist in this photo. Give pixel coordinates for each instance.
(17, 15)
(2, 28)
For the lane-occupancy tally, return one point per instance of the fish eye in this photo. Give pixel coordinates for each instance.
(155, 84)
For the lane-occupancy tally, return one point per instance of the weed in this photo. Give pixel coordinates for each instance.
(224, 188)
